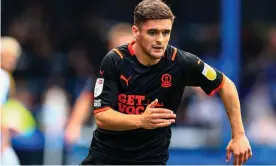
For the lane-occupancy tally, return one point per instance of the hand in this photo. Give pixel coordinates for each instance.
(157, 117)
(72, 133)
(241, 149)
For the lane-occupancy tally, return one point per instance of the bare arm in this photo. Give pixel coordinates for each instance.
(113, 120)
(211, 81)
(81, 108)
(80, 113)
(230, 98)
(109, 119)
(239, 144)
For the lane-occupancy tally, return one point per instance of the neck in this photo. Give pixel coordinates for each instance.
(142, 57)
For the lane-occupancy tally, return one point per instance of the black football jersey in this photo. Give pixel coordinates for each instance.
(127, 86)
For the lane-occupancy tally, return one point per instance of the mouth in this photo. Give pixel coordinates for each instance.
(157, 47)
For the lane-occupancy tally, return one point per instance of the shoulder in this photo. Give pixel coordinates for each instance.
(171, 52)
(181, 56)
(116, 54)
(113, 59)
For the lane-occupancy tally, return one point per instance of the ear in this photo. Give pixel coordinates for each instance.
(135, 32)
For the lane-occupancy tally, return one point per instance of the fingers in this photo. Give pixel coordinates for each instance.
(160, 110)
(248, 155)
(239, 158)
(228, 155)
(250, 152)
(164, 124)
(153, 104)
(156, 121)
(163, 116)
(157, 117)
(236, 160)
(242, 157)
(162, 113)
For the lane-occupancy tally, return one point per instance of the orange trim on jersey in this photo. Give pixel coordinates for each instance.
(174, 53)
(130, 49)
(118, 52)
(101, 109)
(219, 87)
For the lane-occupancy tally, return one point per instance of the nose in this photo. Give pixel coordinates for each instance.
(159, 38)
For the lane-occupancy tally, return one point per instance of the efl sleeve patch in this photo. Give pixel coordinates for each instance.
(209, 72)
(198, 73)
(98, 87)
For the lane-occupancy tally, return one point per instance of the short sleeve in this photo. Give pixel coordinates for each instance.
(199, 73)
(107, 84)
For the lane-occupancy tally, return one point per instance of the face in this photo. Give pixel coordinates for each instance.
(8, 61)
(153, 37)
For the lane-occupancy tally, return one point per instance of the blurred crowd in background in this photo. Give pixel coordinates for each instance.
(64, 41)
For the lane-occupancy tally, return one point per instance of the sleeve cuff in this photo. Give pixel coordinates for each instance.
(101, 109)
(218, 88)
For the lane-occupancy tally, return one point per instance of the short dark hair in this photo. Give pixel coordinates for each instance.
(152, 10)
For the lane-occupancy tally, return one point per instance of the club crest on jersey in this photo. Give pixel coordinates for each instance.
(166, 80)
(98, 87)
(209, 72)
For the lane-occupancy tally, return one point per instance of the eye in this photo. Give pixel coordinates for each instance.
(152, 32)
(165, 33)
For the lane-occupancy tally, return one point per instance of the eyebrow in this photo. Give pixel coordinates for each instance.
(153, 29)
